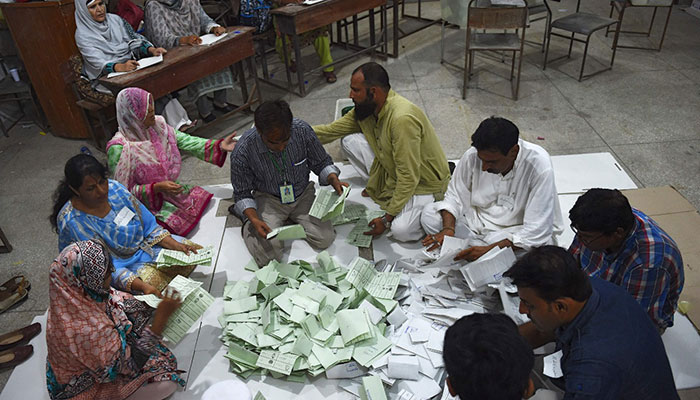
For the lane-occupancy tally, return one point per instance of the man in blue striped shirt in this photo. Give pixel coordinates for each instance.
(622, 245)
(270, 169)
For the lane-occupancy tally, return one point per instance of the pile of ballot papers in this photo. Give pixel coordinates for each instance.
(379, 328)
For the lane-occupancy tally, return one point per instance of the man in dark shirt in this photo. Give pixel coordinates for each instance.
(270, 169)
(610, 348)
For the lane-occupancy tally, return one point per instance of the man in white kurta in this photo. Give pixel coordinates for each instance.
(502, 193)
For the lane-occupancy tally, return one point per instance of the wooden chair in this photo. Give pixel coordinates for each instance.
(621, 5)
(580, 23)
(483, 15)
(17, 92)
(97, 108)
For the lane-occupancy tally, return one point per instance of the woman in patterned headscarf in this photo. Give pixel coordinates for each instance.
(108, 44)
(144, 156)
(172, 23)
(100, 345)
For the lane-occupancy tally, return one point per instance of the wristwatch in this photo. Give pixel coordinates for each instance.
(386, 222)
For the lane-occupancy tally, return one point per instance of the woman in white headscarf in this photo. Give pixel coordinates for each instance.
(109, 44)
(172, 23)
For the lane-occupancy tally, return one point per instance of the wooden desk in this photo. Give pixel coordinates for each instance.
(186, 64)
(296, 19)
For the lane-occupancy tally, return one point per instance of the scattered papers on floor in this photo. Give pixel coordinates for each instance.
(328, 204)
(195, 302)
(289, 232)
(379, 330)
(143, 63)
(168, 258)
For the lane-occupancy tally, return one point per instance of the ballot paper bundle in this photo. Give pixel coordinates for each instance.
(294, 319)
(167, 258)
(328, 204)
(195, 302)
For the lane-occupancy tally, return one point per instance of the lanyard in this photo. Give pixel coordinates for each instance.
(283, 169)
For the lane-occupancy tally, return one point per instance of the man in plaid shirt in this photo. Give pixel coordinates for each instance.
(622, 245)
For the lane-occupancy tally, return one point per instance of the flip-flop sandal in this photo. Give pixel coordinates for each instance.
(11, 285)
(11, 298)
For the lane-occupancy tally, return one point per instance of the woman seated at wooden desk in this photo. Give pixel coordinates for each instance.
(143, 156)
(89, 206)
(100, 344)
(172, 23)
(109, 44)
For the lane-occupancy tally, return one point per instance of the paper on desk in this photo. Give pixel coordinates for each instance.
(513, 3)
(143, 63)
(552, 365)
(488, 268)
(211, 38)
(328, 204)
(288, 232)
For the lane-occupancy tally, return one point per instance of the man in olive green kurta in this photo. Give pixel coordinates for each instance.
(397, 152)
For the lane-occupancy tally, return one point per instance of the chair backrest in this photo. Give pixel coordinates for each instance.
(496, 17)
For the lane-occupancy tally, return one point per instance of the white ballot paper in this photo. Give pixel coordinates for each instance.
(552, 365)
(489, 268)
(403, 367)
(211, 38)
(143, 63)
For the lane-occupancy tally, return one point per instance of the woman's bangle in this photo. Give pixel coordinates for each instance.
(452, 229)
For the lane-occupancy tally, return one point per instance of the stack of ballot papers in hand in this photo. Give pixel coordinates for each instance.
(195, 302)
(167, 258)
(488, 268)
(328, 204)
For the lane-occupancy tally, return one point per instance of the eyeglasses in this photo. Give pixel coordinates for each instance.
(585, 241)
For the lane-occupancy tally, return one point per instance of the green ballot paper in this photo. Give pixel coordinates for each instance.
(168, 257)
(328, 204)
(288, 232)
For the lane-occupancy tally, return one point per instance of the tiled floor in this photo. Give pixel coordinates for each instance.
(645, 111)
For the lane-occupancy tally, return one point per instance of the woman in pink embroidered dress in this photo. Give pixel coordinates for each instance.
(144, 156)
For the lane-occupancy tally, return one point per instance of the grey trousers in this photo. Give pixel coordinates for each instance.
(319, 234)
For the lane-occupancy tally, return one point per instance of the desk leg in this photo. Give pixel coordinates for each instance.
(300, 65)
(241, 80)
(395, 28)
(372, 33)
(256, 85)
(286, 62)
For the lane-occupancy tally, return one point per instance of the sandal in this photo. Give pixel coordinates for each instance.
(225, 108)
(13, 291)
(19, 337)
(13, 357)
(330, 76)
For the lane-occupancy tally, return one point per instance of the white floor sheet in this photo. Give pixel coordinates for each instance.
(201, 352)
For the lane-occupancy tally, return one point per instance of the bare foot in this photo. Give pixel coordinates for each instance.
(364, 193)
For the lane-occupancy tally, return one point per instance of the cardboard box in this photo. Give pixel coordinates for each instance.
(681, 221)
